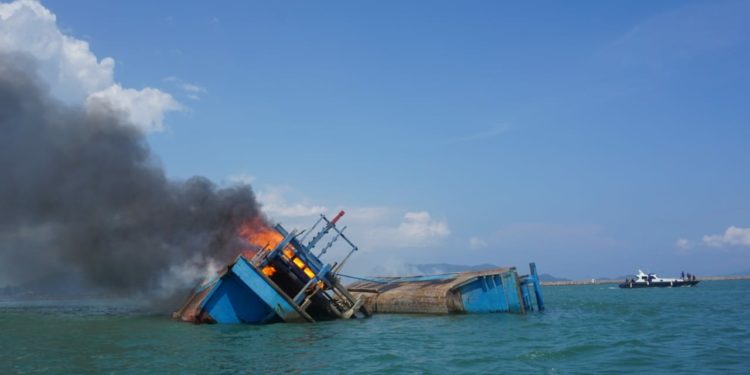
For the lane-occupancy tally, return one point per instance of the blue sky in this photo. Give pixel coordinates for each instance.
(594, 138)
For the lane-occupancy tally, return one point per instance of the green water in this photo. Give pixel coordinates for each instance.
(586, 329)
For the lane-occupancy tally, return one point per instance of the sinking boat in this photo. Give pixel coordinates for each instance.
(651, 280)
(283, 283)
(286, 282)
(487, 291)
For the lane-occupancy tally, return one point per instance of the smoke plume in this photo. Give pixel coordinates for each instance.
(82, 199)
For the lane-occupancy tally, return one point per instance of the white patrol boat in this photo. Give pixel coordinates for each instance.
(650, 280)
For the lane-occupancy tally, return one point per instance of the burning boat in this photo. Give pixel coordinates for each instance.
(282, 282)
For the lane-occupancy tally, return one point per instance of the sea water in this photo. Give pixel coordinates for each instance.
(585, 329)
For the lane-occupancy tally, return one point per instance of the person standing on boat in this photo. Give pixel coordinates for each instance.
(682, 275)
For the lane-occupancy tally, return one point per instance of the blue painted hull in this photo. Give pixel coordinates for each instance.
(242, 294)
(293, 286)
(491, 293)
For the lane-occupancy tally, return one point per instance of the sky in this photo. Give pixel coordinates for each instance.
(593, 138)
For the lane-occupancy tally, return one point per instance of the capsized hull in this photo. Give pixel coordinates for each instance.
(488, 291)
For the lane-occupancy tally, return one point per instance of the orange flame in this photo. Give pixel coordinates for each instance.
(269, 270)
(261, 235)
(288, 253)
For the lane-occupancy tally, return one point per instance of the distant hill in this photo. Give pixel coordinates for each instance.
(545, 277)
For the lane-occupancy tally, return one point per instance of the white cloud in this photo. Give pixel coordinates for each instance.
(477, 243)
(420, 225)
(191, 90)
(733, 236)
(417, 229)
(73, 72)
(683, 243)
(373, 227)
(275, 204)
(145, 108)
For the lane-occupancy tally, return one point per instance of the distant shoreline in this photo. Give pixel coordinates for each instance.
(604, 281)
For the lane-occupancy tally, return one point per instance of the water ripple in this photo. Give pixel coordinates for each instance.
(587, 329)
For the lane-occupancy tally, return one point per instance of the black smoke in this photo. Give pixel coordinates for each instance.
(84, 201)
